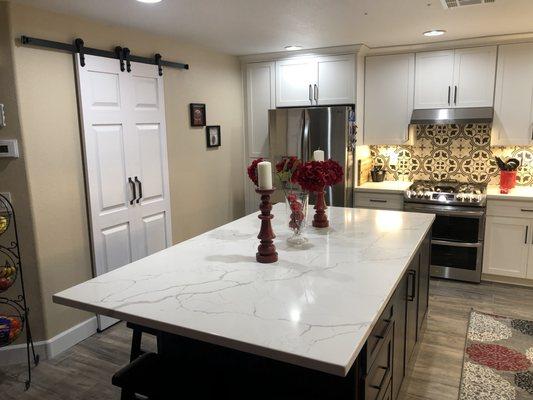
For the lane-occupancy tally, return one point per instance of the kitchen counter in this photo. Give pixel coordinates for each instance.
(384, 187)
(314, 308)
(519, 193)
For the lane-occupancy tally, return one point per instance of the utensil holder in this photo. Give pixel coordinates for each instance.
(507, 181)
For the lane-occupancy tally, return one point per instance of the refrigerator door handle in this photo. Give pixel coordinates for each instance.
(305, 137)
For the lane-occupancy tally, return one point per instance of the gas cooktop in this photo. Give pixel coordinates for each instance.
(447, 192)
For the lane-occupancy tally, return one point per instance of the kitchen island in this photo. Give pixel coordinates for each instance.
(327, 309)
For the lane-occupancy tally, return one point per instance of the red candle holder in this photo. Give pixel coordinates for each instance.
(266, 251)
(320, 219)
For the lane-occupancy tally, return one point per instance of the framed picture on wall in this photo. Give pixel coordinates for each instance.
(197, 114)
(213, 135)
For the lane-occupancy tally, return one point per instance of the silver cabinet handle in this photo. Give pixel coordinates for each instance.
(310, 93)
(525, 210)
(456, 244)
(455, 96)
(377, 201)
(525, 238)
(316, 93)
(449, 95)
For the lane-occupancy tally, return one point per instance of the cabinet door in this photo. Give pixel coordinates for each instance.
(474, 74)
(260, 97)
(513, 235)
(398, 359)
(423, 280)
(389, 88)
(513, 101)
(411, 320)
(336, 80)
(295, 80)
(434, 79)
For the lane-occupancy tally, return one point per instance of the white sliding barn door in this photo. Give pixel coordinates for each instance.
(124, 140)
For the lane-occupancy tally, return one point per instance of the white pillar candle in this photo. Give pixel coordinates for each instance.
(318, 155)
(264, 175)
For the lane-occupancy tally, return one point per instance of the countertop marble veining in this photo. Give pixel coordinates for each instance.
(523, 193)
(315, 307)
(384, 187)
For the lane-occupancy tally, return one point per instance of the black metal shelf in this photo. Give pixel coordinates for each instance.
(16, 307)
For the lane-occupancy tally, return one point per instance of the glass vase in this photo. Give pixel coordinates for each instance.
(297, 202)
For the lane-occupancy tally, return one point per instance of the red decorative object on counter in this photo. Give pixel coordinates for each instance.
(507, 181)
(266, 252)
(315, 176)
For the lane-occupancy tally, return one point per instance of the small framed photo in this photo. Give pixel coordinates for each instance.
(197, 114)
(213, 135)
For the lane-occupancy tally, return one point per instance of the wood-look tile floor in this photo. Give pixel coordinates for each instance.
(84, 371)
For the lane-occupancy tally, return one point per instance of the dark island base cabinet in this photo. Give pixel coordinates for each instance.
(390, 347)
(377, 374)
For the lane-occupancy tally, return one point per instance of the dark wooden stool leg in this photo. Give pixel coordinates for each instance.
(136, 344)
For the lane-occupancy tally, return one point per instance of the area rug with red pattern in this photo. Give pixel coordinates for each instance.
(498, 359)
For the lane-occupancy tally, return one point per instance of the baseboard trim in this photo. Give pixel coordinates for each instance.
(16, 354)
(507, 280)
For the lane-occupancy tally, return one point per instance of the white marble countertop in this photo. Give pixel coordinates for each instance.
(313, 308)
(384, 187)
(519, 193)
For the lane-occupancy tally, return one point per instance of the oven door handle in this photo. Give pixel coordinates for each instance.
(448, 213)
(456, 244)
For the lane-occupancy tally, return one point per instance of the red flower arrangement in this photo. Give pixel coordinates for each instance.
(252, 170)
(286, 168)
(315, 175)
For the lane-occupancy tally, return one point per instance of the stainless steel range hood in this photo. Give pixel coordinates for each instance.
(435, 116)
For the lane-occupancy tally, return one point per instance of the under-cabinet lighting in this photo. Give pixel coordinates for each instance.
(149, 1)
(292, 48)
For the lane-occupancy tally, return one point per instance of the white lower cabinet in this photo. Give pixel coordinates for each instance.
(381, 201)
(508, 249)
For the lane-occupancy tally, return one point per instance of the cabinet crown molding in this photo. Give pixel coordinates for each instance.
(284, 55)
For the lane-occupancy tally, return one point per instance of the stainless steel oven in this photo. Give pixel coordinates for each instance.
(457, 240)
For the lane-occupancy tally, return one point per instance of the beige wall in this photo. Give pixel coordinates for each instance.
(206, 185)
(13, 179)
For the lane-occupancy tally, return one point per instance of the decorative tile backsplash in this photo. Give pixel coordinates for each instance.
(451, 152)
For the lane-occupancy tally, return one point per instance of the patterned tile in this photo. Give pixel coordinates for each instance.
(460, 152)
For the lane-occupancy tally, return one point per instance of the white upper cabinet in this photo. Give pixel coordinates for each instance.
(474, 73)
(434, 79)
(308, 81)
(295, 80)
(389, 87)
(513, 101)
(260, 97)
(335, 80)
(455, 78)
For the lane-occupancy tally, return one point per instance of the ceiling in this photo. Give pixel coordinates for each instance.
(257, 26)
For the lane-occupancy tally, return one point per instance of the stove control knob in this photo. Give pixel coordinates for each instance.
(459, 197)
(475, 198)
(427, 195)
(468, 198)
(420, 194)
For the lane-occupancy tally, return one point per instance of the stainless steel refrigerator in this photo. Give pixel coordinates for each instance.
(300, 131)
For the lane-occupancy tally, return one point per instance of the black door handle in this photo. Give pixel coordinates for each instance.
(140, 190)
(411, 282)
(449, 94)
(133, 191)
(455, 96)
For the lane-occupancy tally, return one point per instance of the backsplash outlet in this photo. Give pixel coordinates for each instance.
(451, 152)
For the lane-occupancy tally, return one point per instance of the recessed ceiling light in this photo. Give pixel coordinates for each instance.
(291, 48)
(435, 32)
(149, 1)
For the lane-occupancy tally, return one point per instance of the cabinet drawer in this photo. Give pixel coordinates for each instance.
(378, 379)
(509, 208)
(378, 335)
(379, 201)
